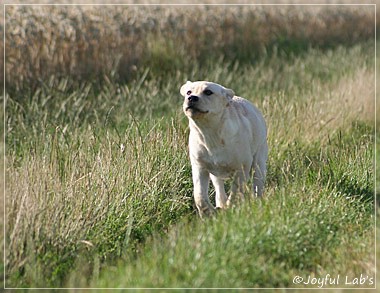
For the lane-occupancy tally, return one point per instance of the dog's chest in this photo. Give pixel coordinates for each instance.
(220, 161)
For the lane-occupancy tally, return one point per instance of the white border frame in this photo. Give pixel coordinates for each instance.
(188, 4)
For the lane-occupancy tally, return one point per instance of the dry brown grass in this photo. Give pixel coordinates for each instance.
(332, 106)
(88, 42)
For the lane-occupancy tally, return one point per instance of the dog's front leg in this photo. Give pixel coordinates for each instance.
(220, 194)
(201, 179)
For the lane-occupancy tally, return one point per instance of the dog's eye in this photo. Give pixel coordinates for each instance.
(208, 92)
(188, 93)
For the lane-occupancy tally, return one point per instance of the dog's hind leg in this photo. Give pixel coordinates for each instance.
(238, 186)
(260, 170)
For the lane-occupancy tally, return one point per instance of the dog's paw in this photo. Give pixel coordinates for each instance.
(207, 213)
(234, 200)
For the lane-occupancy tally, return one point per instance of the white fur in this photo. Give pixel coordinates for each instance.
(228, 138)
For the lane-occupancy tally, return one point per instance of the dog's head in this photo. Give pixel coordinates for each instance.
(204, 98)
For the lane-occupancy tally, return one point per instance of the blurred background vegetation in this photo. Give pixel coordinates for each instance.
(97, 43)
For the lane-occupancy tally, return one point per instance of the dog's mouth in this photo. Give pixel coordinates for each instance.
(193, 109)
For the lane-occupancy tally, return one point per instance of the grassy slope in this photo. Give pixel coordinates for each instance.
(309, 225)
(311, 222)
(107, 172)
(264, 244)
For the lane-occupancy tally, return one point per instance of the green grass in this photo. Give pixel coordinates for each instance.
(99, 190)
(262, 244)
(314, 222)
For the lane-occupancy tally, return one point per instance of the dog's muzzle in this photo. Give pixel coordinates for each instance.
(192, 99)
(191, 105)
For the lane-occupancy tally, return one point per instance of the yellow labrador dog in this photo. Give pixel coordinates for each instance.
(228, 138)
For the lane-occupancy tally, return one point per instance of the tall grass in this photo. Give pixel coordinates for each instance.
(260, 245)
(88, 190)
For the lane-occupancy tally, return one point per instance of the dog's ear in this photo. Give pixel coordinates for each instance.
(183, 89)
(229, 93)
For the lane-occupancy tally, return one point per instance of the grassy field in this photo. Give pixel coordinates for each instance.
(98, 180)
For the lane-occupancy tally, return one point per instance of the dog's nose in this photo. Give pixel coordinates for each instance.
(193, 99)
